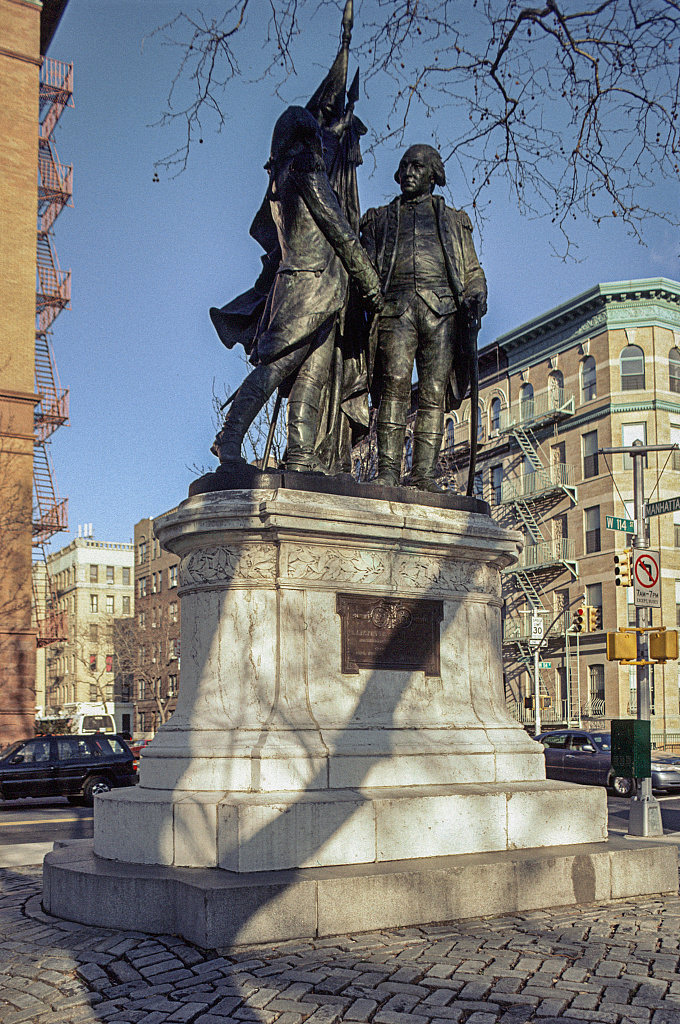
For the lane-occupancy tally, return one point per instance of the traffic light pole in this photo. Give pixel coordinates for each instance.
(644, 817)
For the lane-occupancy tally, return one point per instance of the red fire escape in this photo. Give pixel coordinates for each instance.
(53, 293)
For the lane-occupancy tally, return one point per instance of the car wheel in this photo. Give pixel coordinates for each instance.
(94, 786)
(621, 786)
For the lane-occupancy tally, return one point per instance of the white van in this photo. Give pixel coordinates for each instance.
(91, 721)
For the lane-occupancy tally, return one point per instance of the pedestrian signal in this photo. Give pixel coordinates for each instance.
(663, 646)
(593, 618)
(622, 646)
(623, 568)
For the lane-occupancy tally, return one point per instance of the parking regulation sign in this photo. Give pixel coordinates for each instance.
(647, 579)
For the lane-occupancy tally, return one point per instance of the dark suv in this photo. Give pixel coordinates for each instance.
(77, 767)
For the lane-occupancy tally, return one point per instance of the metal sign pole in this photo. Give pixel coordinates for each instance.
(644, 817)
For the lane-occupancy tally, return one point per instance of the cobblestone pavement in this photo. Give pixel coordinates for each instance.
(611, 963)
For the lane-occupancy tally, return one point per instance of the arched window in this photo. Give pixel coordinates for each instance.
(588, 379)
(556, 388)
(632, 368)
(495, 414)
(480, 424)
(449, 433)
(674, 370)
(526, 402)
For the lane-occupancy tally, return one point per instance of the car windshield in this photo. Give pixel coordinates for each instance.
(602, 740)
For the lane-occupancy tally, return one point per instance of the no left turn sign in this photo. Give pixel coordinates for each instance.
(647, 579)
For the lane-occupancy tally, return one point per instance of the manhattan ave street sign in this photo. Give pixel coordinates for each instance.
(657, 508)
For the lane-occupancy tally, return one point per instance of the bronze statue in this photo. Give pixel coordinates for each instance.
(294, 342)
(435, 295)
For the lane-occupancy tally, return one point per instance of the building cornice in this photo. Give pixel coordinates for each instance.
(616, 304)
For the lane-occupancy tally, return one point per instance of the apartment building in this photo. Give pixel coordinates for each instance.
(600, 370)
(95, 590)
(156, 630)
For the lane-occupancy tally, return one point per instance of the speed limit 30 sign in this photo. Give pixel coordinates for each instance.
(647, 579)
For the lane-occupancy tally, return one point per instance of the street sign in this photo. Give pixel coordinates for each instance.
(617, 523)
(545, 664)
(647, 578)
(536, 630)
(657, 508)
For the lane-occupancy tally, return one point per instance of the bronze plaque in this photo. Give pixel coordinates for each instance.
(394, 633)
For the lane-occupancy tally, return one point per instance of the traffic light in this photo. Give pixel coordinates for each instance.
(579, 621)
(623, 568)
(593, 619)
(663, 645)
(622, 646)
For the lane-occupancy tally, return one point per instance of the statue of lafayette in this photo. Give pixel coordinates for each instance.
(319, 251)
(435, 294)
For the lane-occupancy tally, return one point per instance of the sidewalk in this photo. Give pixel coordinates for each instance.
(616, 964)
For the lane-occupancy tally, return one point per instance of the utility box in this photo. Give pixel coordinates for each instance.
(622, 646)
(631, 748)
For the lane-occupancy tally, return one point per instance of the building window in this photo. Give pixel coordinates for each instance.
(94, 695)
(126, 576)
(172, 611)
(143, 586)
(160, 581)
(142, 551)
(126, 606)
(596, 682)
(408, 454)
(110, 604)
(632, 368)
(174, 647)
(110, 574)
(153, 617)
(675, 439)
(526, 402)
(590, 462)
(480, 424)
(94, 603)
(588, 379)
(592, 524)
(142, 619)
(594, 599)
(495, 417)
(674, 370)
(497, 483)
(631, 432)
(93, 663)
(449, 434)
(109, 664)
(478, 486)
(94, 574)
(94, 632)
(172, 685)
(172, 576)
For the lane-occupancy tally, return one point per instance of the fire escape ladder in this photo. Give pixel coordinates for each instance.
(531, 523)
(49, 510)
(529, 445)
(527, 658)
(526, 585)
(51, 624)
(52, 409)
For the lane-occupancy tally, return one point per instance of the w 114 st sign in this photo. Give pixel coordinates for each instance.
(647, 579)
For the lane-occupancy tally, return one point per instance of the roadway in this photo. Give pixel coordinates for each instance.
(29, 827)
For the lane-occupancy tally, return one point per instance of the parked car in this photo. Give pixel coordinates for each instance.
(574, 755)
(77, 767)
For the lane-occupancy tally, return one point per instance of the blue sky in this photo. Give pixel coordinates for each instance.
(148, 259)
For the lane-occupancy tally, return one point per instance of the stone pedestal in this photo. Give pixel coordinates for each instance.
(341, 709)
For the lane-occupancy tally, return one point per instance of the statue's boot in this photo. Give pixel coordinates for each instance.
(303, 415)
(391, 430)
(427, 442)
(248, 401)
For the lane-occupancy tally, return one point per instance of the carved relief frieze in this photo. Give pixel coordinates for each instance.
(254, 563)
(448, 575)
(337, 565)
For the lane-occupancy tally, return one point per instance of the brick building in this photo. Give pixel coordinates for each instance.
(26, 30)
(95, 589)
(156, 631)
